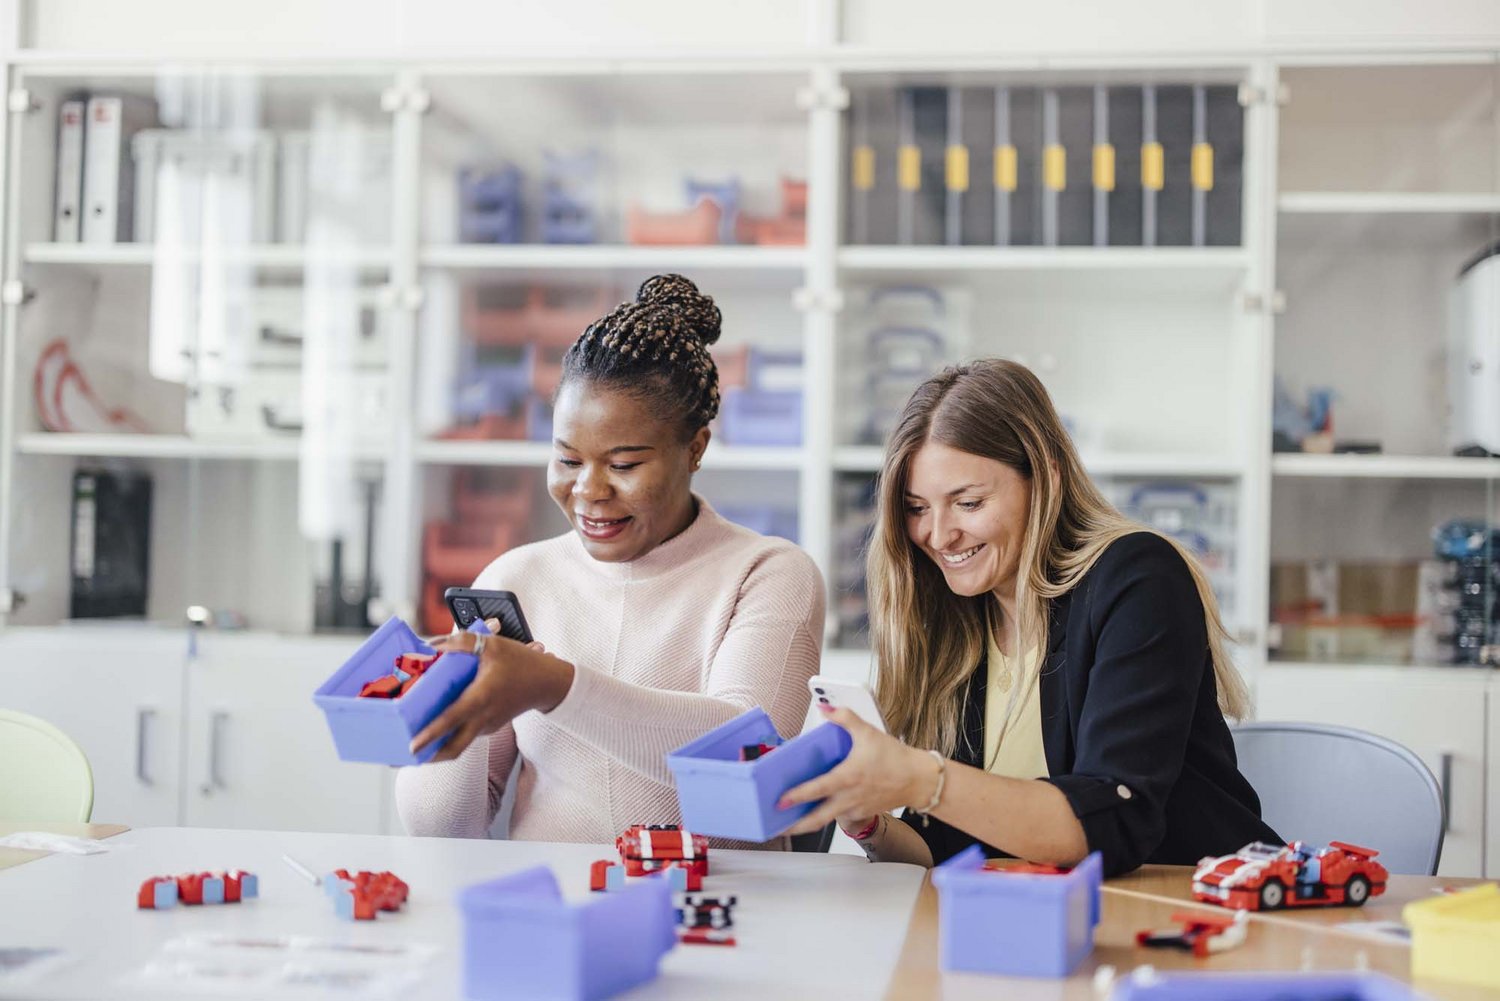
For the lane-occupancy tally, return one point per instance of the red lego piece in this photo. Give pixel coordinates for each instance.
(1202, 933)
(1268, 877)
(753, 752)
(706, 936)
(150, 898)
(387, 686)
(406, 685)
(599, 875)
(415, 663)
(190, 888)
(648, 848)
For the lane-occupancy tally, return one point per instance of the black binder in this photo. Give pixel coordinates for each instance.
(111, 544)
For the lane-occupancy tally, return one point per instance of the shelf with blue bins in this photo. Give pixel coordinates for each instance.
(1046, 921)
(1147, 985)
(379, 731)
(522, 940)
(724, 797)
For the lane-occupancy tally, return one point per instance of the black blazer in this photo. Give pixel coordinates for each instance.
(1130, 719)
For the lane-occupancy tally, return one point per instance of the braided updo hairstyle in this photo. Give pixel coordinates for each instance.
(655, 348)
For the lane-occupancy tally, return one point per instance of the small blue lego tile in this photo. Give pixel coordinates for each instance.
(343, 904)
(249, 886)
(678, 878)
(614, 878)
(166, 895)
(213, 890)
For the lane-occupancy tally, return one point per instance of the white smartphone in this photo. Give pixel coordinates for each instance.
(851, 695)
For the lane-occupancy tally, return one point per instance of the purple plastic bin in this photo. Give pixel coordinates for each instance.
(1262, 987)
(764, 519)
(1016, 924)
(521, 940)
(761, 416)
(724, 797)
(380, 730)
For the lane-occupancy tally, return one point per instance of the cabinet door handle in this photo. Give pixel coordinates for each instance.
(1445, 782)
(143, 717)
(216, 723)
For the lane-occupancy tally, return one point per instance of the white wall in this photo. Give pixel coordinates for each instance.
(412, 27)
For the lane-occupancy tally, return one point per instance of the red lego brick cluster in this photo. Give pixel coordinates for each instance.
(648, 848)
(409, 667)
(360, 896)
(161, 892)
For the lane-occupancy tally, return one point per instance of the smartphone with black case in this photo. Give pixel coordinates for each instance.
(470, 603)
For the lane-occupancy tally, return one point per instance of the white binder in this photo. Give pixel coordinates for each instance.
(107, 171)
(66, 220)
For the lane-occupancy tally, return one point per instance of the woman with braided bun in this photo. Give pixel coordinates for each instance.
(661, 620)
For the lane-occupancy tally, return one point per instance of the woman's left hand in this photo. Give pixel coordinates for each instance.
(512, 679)
(880, 774)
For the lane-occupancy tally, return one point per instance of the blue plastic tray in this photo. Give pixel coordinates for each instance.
(522, 941)
(723, 797)
(1263, 987)
(1016, 924)
(380, 730)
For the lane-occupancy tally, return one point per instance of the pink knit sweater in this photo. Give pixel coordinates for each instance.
(666, 647)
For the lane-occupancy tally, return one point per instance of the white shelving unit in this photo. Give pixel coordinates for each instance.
(1386, 467)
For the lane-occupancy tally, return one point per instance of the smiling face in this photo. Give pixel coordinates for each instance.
(620, 473)
(968, 514)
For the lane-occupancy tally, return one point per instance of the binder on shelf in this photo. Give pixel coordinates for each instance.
(1075, 135)
(108, 182)
(861, 169)
(1018, 164)
(1124, 108)
(1173, 107)
(235, 170)
(1103, 167)
(1225, 135)
(66, 220)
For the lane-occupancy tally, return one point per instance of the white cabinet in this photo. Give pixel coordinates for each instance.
(118, 693)
(259, 754)
(226, 737)
(1439, 714)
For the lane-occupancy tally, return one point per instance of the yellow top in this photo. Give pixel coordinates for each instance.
(1020, 755)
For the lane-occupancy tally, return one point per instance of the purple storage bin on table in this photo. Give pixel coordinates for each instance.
(1143, 986)
(521, 940)
(379, 731)
(761, 416)
(1016, 924)
(724, 797)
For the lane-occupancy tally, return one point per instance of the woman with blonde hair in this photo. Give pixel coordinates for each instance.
(1054, 675)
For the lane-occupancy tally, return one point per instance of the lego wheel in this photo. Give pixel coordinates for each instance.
(1272, 895)
(1357, 890)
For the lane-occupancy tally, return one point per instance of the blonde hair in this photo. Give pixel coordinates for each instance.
(928, 640)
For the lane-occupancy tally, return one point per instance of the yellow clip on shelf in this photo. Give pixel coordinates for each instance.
(1006, 172)
(958, 168)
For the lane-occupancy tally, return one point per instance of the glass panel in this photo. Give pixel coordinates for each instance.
(546, 201)
(1385, 420)
(209, 356)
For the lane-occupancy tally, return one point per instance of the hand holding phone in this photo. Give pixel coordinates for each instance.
(468, 604)
(851, 695)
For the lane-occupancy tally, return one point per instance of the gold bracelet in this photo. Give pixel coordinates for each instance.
(937, 794)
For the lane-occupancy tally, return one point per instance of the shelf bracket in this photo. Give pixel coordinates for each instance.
(16, 293)
(405, 98)
(815, 98)
(806, 300)
(22, 101)
(405, 298)
(1250, 94)
(1254, 302)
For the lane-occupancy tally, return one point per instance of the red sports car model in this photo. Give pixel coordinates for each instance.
(1262, 877)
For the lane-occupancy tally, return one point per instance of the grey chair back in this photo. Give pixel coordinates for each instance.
(1332, 783)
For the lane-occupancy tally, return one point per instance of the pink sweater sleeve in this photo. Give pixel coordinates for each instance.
(772, 646)
(458, 798)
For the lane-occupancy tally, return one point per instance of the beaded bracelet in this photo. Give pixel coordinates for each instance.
(937, 794)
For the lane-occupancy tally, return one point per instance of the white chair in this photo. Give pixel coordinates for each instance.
(44, 775)
(1325, 783)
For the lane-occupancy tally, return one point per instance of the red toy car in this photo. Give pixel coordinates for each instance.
(1202, 933)
(1262, 877)
(649, 848)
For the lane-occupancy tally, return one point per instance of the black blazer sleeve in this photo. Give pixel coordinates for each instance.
(1150, 642)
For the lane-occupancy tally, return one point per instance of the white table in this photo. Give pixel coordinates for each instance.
(807, 925)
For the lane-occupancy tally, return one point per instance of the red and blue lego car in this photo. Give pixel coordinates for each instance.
(1262, 877)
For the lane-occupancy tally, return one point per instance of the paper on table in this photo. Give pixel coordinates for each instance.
(41, 841)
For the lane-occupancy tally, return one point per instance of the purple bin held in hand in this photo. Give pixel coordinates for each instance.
(1151, 986)
(724, 797)
(379, 731)
(522, 941)
(1016, 924)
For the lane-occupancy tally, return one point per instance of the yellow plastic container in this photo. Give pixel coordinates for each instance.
(1456, 936)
